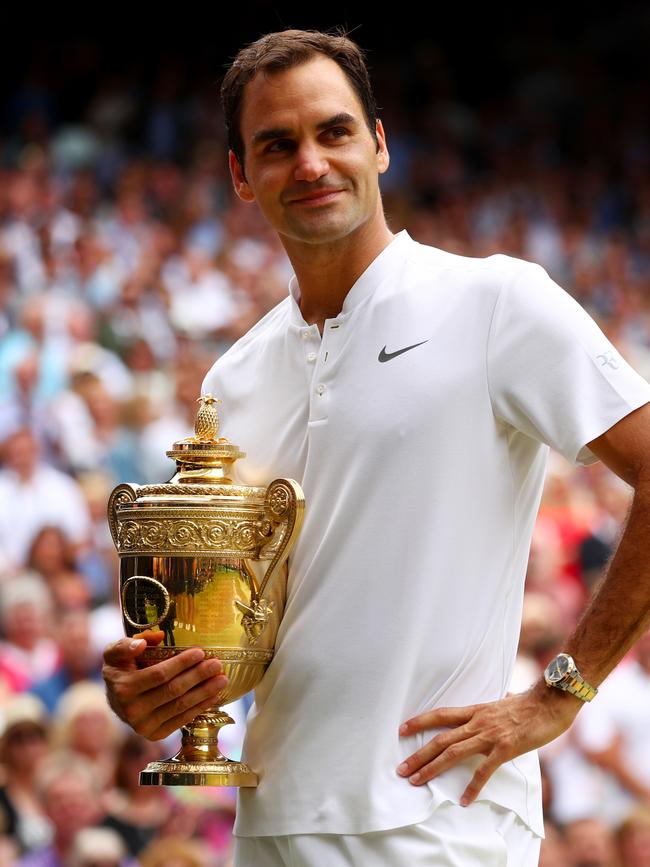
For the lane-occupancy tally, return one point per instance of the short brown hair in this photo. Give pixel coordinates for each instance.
(275, 52)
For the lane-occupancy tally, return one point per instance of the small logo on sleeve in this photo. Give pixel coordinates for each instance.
(608, 358)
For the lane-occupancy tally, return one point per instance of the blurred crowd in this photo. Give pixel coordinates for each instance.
(126, 269)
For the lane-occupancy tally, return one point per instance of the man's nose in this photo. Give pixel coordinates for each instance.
(311, 163)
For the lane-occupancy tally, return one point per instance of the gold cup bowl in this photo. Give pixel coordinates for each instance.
(203, 560)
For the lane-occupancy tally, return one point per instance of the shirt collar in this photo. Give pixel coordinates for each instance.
(380, 268)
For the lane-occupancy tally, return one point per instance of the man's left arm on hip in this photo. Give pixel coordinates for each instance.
(615, 618)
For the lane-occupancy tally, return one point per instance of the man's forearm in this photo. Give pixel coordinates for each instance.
(618, 613)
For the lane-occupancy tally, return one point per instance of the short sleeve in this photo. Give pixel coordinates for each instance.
(552, 372)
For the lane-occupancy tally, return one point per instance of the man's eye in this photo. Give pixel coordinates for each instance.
(338, 131)
(278, 145)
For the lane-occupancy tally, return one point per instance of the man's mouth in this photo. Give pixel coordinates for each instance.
(317, 198)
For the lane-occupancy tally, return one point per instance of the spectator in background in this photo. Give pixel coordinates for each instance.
(27, 652)
(152, 384)
(22, 407)
(136, 812)
(178, 851)
(92, 433)
(614, 734)
(173, 422)
(51, 556)
(69, 793)
(98, 847)
(553, 852)
(23, 747)
(84, 726)
(202, 299)
(634, 838)
(98, 562)
(8, 294)
(591, 843)
(539, 640)
(39, 333)
(612, 501)
(79, 659)
(34, 495)
(8, 851)
(97, 274)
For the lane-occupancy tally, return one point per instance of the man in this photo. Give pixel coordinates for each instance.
(412, 393)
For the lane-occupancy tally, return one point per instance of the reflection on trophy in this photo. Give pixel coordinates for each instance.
(203, 561)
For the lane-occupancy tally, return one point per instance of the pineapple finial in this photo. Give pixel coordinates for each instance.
(206, 426)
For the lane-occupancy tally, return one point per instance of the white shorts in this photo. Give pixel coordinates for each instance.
(480, 835)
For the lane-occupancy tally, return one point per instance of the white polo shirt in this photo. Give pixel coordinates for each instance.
(418, 428)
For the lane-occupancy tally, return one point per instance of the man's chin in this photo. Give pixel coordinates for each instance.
(323, 232)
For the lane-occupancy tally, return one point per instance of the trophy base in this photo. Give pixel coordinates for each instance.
(200, 762)
(171, 773)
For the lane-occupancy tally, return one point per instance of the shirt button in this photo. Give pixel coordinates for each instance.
(305, 335)
(320, 389)
(311, 356)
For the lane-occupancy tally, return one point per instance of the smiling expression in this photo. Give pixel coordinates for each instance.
(311, 163)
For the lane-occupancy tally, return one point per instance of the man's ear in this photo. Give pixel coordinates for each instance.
(383, 157)
(239, 181)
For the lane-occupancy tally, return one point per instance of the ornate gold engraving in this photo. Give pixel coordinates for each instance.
(248, 655)
(243, 492)
(184, 536)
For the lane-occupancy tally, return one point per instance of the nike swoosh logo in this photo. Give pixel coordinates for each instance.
(386, 356)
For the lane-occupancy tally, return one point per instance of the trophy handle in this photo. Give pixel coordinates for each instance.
(125, 493)
(285, 508)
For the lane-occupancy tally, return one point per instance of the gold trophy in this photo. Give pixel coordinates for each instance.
(203, 561)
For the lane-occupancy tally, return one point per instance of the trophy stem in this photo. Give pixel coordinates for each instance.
(200, 762)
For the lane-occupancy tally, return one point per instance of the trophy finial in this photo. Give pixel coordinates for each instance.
(206, 426)
(205, 457)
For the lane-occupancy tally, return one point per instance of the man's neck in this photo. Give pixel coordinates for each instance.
(326, 273)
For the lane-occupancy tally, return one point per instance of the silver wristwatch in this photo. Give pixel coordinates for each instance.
(563, 673)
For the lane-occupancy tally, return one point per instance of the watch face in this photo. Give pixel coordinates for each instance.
(558, 668)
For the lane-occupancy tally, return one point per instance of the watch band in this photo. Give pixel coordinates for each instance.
(578, 686)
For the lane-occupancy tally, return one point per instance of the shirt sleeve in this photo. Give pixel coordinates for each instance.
(552, 373)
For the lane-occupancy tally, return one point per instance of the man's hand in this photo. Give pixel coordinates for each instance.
(156, 700)
(499, 730)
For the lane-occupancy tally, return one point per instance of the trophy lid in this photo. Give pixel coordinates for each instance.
(204, 451)
(201, 509)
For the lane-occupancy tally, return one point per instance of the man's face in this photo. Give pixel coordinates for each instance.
(296, 146)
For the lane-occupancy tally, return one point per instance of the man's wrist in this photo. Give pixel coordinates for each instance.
(556, 702)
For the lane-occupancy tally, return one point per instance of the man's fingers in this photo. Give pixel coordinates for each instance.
(164, 719)
(440, 716)
(174, 692)
(146, 698)
(481, 775)
(181, 719)
(452, 755)
(432, 749)
(165, 671)
(122, 653)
